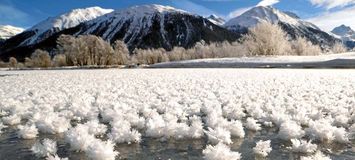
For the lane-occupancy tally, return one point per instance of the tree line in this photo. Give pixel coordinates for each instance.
(88, 50)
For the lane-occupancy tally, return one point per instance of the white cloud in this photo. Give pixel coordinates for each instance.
(329, 20)
(329, 4)
(267, 2)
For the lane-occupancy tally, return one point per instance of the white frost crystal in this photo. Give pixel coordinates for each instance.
(45, 148)
(262, 148)
(220, 152)
(178, 104)
(302, 146)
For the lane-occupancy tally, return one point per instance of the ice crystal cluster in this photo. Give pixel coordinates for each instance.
(307, 107)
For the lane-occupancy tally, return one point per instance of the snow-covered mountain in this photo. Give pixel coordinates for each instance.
(290, 22)
(52, 25)
(155, 26)
(344, 32)
(146, 26)
(7, 31)
(71, 19)
(216, 20)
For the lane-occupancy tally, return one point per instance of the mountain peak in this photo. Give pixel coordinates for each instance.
(291, 24)
(70, 19)
(269, 14)
(343, 30)
(148, 9)
(345, 33)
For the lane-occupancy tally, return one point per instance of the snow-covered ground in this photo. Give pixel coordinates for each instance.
(344, 60)
(219, 113)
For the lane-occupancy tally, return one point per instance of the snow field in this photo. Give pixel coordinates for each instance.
(97, 109)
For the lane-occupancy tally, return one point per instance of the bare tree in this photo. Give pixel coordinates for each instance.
(85, 50)
(60, 60)
(121, 53)
(267, 39)
(338, 48)
(13, 62)
(303, 47)
(3, 64)
(41, 58)
(28, 62)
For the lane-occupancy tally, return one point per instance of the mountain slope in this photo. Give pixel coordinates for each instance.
(7, 31)
(216, 20)
(53, 25)
(147, 26)
(154, 26)
(289, 22)
(346, 34)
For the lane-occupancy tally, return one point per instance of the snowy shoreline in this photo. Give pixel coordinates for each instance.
(344, 60)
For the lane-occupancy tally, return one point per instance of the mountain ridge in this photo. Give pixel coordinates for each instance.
(290, 23)
(146, 26)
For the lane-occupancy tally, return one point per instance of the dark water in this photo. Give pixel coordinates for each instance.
(13, 148)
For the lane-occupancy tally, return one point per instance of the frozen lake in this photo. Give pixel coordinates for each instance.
(176, 113)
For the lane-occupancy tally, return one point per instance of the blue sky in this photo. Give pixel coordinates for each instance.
(26, 13)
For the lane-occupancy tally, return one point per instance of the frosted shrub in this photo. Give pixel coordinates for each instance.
(13, 62)
(3, 64)
(41, 58)
(60, 60)
(121, 53)
(338, 48)
(303, 47)
(266, 39)
(150, 56)
(28, 62)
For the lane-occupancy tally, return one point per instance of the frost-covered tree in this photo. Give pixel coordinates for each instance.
(121, 53)
(2, 64)
(60, 60)
(266, 39)
(13, 62)
(85, 50)
(41, 58)
(338, 48)
(28, 62)
(67, 46)
(150, 56)
(303, 47)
